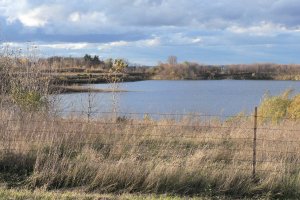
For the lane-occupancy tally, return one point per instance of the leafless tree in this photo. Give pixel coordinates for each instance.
(172, 60)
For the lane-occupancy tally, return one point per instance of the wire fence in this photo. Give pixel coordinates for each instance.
(241, 143)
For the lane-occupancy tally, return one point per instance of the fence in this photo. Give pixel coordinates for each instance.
(240, 143)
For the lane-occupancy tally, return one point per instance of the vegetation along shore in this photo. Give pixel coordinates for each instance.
(86, 70)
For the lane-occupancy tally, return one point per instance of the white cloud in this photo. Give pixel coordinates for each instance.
(67, 46)
(91, 18)
(150, 42)
(10, 9)
(74, 17)
(112, 45)
(12, 44)
(183, 39)
(37, 16)
(34, 18)
(262, 29)
(72, 46)
(139, 43)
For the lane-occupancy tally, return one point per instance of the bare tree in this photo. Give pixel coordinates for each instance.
(172, 60)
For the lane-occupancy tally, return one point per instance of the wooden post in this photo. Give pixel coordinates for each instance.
(254, 144)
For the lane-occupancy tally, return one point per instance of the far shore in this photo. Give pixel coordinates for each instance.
(81, 78)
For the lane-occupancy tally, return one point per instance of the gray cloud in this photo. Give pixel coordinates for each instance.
(93, 15)
(133, 25)
(286, 12)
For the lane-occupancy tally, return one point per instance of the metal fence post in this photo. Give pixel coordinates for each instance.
(254, 144)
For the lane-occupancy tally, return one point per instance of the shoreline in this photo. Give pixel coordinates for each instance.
(100, 78)
(81, 89)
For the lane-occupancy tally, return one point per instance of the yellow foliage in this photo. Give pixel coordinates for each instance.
(119, 66)
(274, 108)
(294, 108)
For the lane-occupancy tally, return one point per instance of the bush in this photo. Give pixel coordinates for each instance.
(275, 108)
(28, 100)
(22, 80)
(294, 108)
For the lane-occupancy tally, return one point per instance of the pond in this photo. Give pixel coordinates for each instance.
(221, 97)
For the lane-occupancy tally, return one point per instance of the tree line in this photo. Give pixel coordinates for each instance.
(171, 69)
(192, 70)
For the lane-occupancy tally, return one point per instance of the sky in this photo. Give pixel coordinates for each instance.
(148, 31)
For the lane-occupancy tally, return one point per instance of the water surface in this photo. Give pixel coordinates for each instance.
(225, 97)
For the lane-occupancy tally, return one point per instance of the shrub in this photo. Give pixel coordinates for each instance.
(28, 100)
(275, 108)
(294, 108)
(22, 80)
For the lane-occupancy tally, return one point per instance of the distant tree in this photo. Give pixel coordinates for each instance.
(92, 61)
(109, 63)
(87, 58)
(96, 60)
(172, 60)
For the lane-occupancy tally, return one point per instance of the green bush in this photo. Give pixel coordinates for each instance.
(28, 100)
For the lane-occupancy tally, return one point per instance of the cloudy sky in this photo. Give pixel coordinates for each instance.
(148, 31)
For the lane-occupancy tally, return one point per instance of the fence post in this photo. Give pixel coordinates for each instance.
(254, 144)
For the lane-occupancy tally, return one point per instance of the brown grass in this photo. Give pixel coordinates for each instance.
(192, 155)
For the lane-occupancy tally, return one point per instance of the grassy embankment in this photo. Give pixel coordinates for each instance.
(188, 156)
(80, 75)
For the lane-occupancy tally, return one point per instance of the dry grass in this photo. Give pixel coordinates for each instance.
(22, 194)
(189, 156)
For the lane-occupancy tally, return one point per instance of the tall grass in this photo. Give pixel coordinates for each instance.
(189, 156)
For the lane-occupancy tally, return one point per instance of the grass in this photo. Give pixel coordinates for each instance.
(188, 156)
(23, 194)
